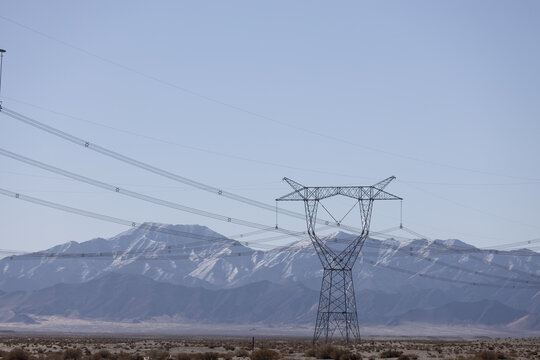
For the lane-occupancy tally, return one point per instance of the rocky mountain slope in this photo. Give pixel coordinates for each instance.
(391, 278)
(135, 298)
(119, 297)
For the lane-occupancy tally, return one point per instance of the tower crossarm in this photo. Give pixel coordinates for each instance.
(383, 183)
(305, 193)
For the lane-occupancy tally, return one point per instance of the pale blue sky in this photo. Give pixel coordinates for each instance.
(443, 95)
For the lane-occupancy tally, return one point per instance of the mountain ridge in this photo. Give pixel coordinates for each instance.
(391, 277)
(126, 298)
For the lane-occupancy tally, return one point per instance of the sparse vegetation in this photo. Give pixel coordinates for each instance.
(102, 355)
(489, 355)
(324, 351)
(391, 354)
(207, 356)
(17, 354)
(350, 356)
(183, 356)
(332, 352)
(265, 354)
(241, 353)
(408, 357)
(160, 355)
(72, 354)
(86, 348)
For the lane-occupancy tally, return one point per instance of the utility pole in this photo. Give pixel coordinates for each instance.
(2, 51)
(337, 314)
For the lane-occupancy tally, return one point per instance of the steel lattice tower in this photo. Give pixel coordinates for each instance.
(336, 315)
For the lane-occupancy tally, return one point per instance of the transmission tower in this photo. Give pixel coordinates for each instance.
(336, 315)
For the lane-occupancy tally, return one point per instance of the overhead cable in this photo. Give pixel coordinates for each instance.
(143, 197)
(145, 166)
(250, 112)
(193, 246)
(440, 278)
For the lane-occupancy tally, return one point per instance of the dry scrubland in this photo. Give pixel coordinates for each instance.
(89, 348)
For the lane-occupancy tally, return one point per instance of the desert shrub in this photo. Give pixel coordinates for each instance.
(207, 356)
(310, 352)
(229, 347)
(265, 354)
(324, 351)
(183, 356)
(125, 356)
(72, 354)
(55, 355)
(17, 354)
(241, 353)
(408, 357)
(338, 353)
(489, 355)
(103, 354)
(158, 355)
(328, 351)
(390, 354)
(350, 356)
(227, 356)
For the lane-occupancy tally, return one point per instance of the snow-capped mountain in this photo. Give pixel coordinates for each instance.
(179, 254)
(390, 276)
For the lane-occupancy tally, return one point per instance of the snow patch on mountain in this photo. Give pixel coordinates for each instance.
(194, 255)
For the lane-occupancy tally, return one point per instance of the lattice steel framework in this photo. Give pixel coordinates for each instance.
(336, 315)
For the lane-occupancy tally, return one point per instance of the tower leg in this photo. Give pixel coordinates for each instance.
(337, 314)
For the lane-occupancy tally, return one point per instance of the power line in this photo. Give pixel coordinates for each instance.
(454, 250)
(150, 227)
(170, 84)
(467, 206)
(470, 271)
(188, 90)
(131, 223)
(253, 113)
(102, 150)
(146, 226)
(169, 142)
(140, 196)
(243, 158)
(170, 257)
(195, 245)
(473, 250)
(440, 278)
(151, 168)
(125, 256)
(153, 188)
(518, 243)
(178, 178)
(178, 257)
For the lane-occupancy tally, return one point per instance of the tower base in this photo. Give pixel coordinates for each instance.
(337, 315)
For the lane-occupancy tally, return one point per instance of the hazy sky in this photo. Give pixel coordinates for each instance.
(445, 95)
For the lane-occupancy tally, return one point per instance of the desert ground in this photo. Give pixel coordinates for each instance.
(30, 346)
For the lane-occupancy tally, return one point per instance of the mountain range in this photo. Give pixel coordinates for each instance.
(192, 273)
